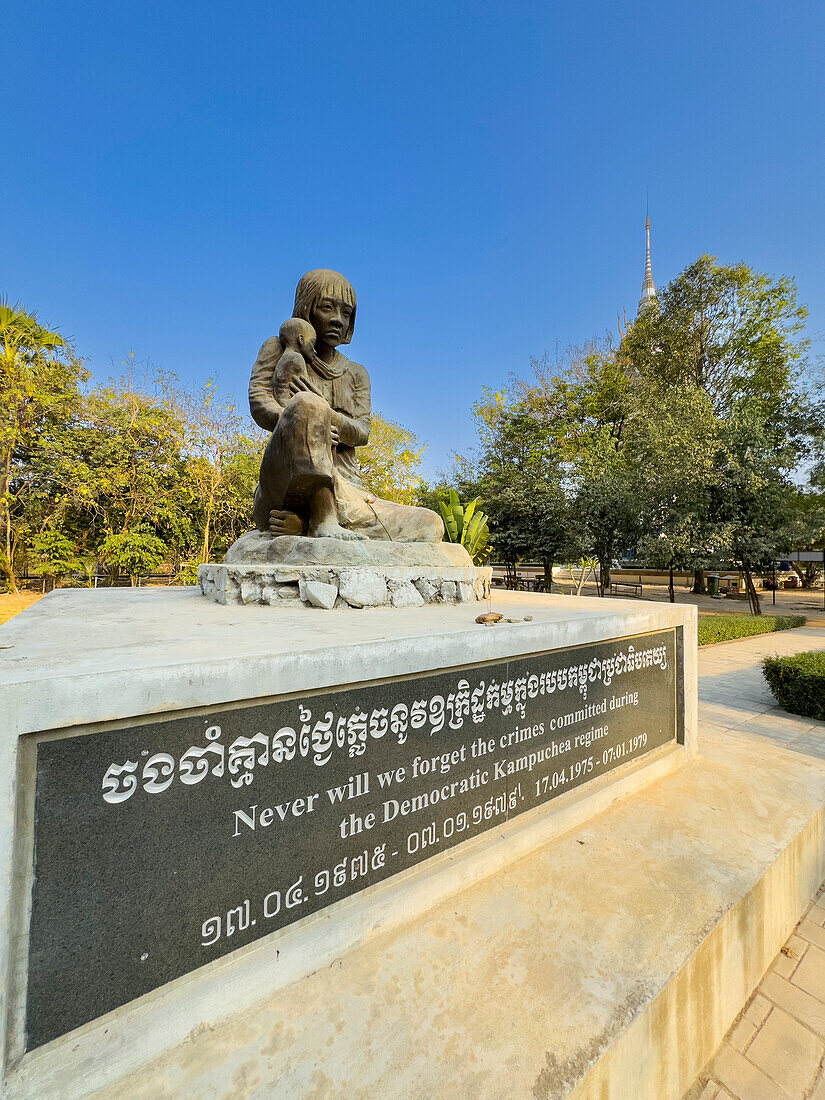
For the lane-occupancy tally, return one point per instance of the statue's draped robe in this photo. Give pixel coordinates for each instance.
(300, 458)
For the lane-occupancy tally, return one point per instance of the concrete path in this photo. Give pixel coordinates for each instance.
(775, 1049)
(734, 698)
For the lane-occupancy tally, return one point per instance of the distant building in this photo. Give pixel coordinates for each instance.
(648, 298)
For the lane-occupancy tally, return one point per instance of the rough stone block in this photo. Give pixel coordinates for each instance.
(448, 591)
(428, 589)
(289, 592)
(285, 576)
(363, 588)
(319, 594)
(481, 587)
(250, 590)
(405, 595)
(206, 581)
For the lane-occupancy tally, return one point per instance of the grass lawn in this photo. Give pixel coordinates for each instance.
(724, 628)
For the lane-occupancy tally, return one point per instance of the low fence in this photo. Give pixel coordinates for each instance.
(33, 582)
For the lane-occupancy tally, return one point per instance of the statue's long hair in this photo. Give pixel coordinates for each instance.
(322, 283)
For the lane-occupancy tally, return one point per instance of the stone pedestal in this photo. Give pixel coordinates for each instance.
(220, 823)
(332, 573)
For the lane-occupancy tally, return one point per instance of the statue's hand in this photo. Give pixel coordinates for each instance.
(333, 431)
(285, 523)
(304, 385)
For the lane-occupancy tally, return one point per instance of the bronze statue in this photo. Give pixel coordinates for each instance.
(317, 406)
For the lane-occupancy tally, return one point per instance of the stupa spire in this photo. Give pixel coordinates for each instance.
(648, 297)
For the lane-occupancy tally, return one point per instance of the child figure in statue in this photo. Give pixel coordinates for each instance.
(298, 341)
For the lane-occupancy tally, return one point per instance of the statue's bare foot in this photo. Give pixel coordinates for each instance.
(329, 529)
(285, 523)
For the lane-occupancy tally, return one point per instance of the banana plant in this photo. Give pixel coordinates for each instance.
(466, 524)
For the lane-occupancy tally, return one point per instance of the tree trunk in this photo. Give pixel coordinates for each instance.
(8, 564)
(548, 574)
(699, 585)
(580, 582)
(750, 588)
(807, 576)
(670, 590)
(206, 527)
(604, 577)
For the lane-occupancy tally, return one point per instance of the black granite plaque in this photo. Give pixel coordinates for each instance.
(162, 846)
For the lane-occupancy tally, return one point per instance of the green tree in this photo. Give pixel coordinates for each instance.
(233, 505)
(732, 335)
(727, 330)
(676, 443)
(587, 402)
(753, 501)
(55, 556)
(136, 551)
(521, 481)
(122, 465)
(221, 464)
(391, 461)
(39, 379)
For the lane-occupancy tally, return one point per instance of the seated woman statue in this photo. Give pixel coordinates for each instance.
(309, 482)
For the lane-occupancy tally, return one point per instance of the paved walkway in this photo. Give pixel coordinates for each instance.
(734, 698)
(775, 1049)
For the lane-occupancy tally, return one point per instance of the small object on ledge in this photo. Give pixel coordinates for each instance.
(490, 618)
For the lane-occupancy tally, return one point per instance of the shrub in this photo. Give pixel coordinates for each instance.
(723, 628)
(188, 572)
(798, 682)
(55, 556)
(137, 551)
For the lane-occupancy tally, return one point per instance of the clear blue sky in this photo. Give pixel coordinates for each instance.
(476, 169)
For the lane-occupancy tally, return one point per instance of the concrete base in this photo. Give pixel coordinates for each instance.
(328, 573)
(512, 962)
(341, 587)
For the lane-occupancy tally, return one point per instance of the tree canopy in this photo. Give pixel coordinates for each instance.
(135, 472)
(683, 444)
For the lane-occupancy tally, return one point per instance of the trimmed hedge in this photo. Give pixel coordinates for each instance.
(798, 682)
(724, 628)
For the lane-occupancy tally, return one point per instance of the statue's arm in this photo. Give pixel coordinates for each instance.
(262, 404)
(354, 431)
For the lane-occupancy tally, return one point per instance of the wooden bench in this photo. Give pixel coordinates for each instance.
(615, 585)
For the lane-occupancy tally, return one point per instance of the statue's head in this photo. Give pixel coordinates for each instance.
(298, 335)
(327, 301)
